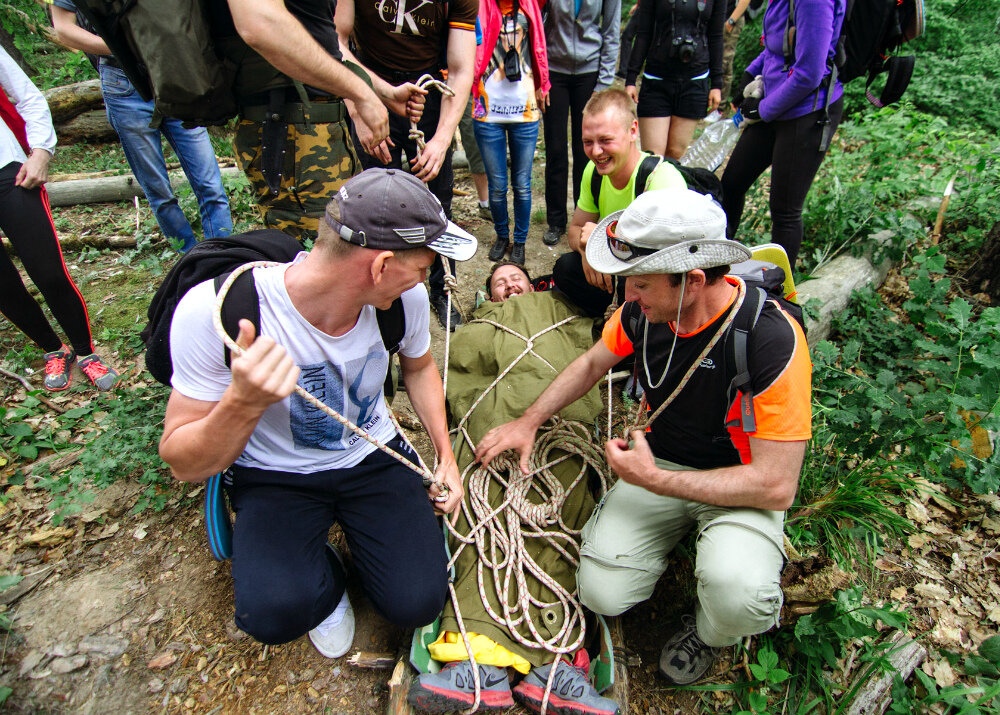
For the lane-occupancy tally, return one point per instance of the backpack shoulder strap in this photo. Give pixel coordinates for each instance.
(392, 325)
(738, 347)
(646, 168)
(241, 302)
(788, 41)
(595, 188)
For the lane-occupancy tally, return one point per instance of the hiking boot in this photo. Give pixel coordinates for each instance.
(517, 254)
(334, 636)
(485, 213)
(499, 249)
(552, 236)
(440, 305)
(572, 693)
(58, 364)
(685, 658)
(102, 376)
(453, 688)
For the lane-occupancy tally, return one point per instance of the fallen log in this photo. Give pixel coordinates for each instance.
(55, 178)
(619, 691)
(71, 100)
(399, 687)
(108, 188)
(904, 656)
(91, 126)
(86, 241)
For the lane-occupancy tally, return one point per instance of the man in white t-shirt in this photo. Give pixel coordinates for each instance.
(295, 470)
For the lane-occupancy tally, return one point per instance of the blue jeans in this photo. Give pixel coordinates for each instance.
(493, 139)
(130, 115)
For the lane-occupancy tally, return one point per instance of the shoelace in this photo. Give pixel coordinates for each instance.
(691, 644)
(55, 365)
(94, 369)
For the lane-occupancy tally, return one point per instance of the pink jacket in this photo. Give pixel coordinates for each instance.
(490, 19)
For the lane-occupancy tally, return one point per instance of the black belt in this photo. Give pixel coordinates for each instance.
(298, 113)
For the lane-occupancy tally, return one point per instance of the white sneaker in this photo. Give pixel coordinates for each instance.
(713, 117)
(334, 636)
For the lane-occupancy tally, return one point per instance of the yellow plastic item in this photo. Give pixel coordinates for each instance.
(774, 253)
(449, 647)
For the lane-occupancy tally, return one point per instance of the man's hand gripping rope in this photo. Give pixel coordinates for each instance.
(265, 373)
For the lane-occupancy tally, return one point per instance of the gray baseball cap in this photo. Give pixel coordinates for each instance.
(390, 209)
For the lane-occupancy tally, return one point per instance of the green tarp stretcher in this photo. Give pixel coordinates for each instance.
(480, 351)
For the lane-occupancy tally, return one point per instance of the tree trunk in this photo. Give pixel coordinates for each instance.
(73, 99)
(7, 42)
(108, 188)
(89, 126)
(983, 275)
(619, 691)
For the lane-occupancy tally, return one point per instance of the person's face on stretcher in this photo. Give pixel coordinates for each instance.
(507, 282)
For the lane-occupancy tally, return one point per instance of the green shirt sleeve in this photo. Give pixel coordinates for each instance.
(664, 176)
(586, 202)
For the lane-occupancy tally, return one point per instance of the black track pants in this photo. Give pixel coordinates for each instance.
(26, 221)
(791, 148)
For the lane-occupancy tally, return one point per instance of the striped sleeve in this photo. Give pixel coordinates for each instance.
(614, 337)
(462, 14)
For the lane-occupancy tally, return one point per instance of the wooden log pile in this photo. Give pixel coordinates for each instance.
(78, 113)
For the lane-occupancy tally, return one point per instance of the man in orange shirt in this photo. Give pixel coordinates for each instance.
(698, 465)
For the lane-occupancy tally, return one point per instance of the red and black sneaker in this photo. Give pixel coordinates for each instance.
(57, 368)
(97, 372)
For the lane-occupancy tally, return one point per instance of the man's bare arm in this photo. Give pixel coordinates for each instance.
(201, 438)
(570, 385)
(574, 234)
(424, 388)
(768, 482)
(269, 28)
(461, 61)
(74, 36)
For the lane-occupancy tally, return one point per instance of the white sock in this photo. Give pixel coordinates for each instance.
(335, 618)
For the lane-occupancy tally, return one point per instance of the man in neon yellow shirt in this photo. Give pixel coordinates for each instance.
(611, 142)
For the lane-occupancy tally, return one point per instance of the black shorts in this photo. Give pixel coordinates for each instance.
(685, 98)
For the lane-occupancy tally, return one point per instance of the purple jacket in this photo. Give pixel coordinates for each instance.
(797, 91)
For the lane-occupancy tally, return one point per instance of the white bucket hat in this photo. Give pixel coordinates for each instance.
(663, 231)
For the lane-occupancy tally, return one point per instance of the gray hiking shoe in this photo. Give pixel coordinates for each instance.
(102, 376)
(685, 658)
(572, 693)
(453, 688)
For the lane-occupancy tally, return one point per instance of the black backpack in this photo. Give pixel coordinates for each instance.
(697, 179)
(872, 29)
(216, 258)
(764, 282)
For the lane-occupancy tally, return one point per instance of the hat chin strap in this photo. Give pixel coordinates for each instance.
(670, 357)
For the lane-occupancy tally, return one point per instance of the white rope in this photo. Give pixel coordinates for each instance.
(424, 82)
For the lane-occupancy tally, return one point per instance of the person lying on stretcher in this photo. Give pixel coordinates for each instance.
(514, 573)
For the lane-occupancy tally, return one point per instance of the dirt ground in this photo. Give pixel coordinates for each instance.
(130, 614)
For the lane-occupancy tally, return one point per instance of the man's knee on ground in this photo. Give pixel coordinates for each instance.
(277, 615)
(736, 602)
(416, 605)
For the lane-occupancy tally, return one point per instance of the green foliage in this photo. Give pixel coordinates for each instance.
(125, 446)
(983, 667)
(903, 390)
(795, 668)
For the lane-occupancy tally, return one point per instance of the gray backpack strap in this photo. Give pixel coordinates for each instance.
(739, 342)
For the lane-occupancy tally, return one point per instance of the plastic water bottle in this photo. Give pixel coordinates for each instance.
(714, 144)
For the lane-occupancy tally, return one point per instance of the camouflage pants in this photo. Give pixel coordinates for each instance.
(317, 160)
(728, 52)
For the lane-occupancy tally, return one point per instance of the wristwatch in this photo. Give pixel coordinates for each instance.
(731, 22)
